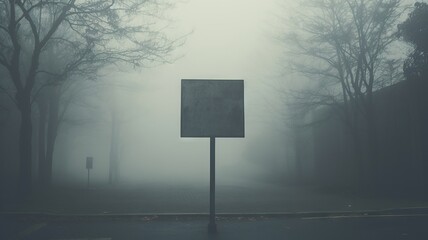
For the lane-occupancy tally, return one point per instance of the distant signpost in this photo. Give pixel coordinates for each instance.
(212, 108)
(89, 165)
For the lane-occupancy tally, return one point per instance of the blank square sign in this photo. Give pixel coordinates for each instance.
(212, 108)
(89, 162)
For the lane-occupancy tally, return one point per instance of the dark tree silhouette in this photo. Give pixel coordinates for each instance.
(415, 31)
(341, 47)
(102, 32)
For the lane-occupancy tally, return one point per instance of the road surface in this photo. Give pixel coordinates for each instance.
(390, 227)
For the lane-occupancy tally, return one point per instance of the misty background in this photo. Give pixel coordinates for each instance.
(302, 129)
(227, 40)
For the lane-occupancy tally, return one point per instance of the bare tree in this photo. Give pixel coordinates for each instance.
(343, 48)
(103, 32)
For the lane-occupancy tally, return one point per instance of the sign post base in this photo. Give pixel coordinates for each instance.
(212, 228)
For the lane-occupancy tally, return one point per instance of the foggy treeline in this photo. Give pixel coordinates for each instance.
(348, 97)
(359, 119)
(53, 52)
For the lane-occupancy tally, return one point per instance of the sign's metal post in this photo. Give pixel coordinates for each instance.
(88, 177)
(89, 165)
(212, 228)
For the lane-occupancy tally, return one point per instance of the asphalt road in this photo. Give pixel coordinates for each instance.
(270, 228)
(124, 213)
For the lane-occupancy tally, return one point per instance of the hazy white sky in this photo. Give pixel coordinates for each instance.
(230, 39)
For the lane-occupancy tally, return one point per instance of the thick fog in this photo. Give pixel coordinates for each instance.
(335, 105)
(224, 40)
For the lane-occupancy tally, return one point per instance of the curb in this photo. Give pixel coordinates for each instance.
(393, 212)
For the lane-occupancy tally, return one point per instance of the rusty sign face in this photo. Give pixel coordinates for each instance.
(212, 108)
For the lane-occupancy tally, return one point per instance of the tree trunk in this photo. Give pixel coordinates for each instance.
(25, 147)
(52, 131)
(43, 111)
(298, 154)
(49, 160)
(48, 128)
(114, 149)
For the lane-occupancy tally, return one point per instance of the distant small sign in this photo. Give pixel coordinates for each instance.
(89, 162)
(212, 108)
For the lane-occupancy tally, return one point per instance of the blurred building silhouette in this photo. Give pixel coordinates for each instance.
(323, 153)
